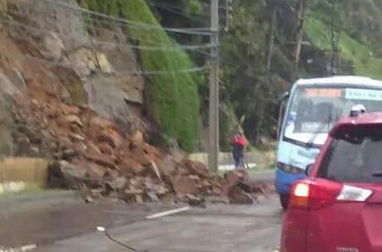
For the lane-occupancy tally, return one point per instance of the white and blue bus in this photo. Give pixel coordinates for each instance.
(307, 114)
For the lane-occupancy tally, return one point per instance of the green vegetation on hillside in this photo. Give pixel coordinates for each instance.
(254, 71)
(248, 88)
(173, 96)
(358, 51)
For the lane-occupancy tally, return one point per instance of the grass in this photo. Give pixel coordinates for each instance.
(173, 96)
(352, 50)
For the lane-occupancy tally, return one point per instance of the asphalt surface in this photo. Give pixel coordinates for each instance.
(266, 175)
(62, 222)
(70, 226)
(49, 217)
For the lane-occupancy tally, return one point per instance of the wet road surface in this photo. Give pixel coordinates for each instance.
(70, 227)
(43, 220)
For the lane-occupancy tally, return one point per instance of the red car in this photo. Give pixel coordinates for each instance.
(338, 208)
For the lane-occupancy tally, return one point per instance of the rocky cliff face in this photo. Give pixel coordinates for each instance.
(50, 52)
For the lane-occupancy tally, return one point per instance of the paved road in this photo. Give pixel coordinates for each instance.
(266, 175)
(68, 225)
(49, 217)
(218, 228)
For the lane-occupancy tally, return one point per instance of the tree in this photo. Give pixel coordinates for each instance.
(247, 86)
(335, 25)
(301, 13)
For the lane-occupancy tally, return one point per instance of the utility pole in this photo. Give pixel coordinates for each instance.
(272, 39)
(335, 27)
(228, 10)
(302, 9)
(213, 153)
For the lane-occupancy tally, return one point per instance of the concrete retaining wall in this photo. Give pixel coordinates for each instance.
(225, 158)
(28, 170)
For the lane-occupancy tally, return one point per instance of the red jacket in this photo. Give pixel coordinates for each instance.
(239, 140)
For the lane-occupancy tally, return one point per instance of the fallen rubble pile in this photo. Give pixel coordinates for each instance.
(91, 151)
(241, 189)
(93, 155)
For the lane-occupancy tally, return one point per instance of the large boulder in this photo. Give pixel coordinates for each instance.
(108, 100)
(65, 175)
(238, 196)
(122, 60)
(185, 185)
(51, 46)
(69, 25)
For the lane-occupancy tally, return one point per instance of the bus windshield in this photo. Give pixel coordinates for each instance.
(313, 110)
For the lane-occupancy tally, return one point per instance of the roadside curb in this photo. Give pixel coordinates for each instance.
(15, 202)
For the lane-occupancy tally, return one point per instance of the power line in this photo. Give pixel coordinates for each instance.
(145, 72)
(204, 31)
(179, 12)
(191, 31)
(174, 8)
(164, 72)
(166, 5)
(88, 18)
(158, 48)
(196, 48)
(138, 72)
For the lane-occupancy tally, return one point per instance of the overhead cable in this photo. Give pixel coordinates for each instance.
(156, 47)
(143, 72)
(190, 31)
(175, 10)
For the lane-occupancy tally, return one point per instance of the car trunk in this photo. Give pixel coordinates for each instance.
(348, 225)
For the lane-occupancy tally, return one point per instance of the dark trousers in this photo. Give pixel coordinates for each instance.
(239, 161)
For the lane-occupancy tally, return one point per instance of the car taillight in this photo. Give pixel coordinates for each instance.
(300, 195)
(314, 194)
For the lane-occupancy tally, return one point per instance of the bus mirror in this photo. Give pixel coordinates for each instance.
(308, 169)
(281, 113)
(284, 96)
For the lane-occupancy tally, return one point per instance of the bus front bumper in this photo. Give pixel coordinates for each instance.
(284, 181)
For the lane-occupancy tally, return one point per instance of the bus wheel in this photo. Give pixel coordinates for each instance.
(284, 200)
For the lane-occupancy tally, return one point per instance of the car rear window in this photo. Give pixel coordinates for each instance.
(355, 156)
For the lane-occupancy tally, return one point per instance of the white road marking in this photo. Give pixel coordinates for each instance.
(166, 213)
(28, 247)
(21, 249)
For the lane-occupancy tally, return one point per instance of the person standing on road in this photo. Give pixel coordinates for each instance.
(238, 143)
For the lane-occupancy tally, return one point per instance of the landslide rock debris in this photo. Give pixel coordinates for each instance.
(91, 152)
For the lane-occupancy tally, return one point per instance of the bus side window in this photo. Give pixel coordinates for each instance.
(281, 117)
